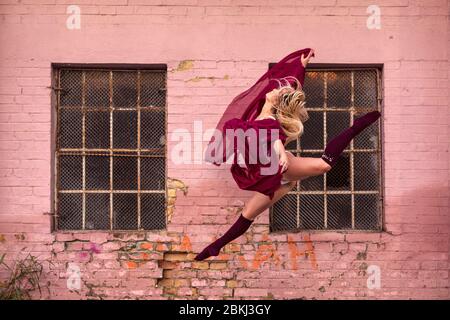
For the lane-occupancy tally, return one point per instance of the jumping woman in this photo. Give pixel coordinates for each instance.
(273, 108)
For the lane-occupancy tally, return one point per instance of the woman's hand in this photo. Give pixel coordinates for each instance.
(282, 156)
(305, 60)
(283, 162)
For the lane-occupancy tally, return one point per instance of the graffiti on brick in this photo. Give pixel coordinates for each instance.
(374, 277)
(74, 19)
(374, 19)
(266, 252)
(73, 276)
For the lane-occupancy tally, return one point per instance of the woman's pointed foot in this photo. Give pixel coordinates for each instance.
(207, 252)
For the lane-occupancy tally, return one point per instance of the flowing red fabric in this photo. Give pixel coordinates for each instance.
(241, 113)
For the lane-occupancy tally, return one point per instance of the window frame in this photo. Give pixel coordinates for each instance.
(322, 67)
(55, 68)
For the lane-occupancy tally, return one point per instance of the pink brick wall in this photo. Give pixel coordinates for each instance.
(229, 44)
(448, 95)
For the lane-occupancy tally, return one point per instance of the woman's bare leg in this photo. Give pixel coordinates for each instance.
(257, 204)
(260, 202)
(300, 168)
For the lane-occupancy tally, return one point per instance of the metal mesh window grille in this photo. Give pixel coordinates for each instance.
(110, 155)
(348, 197)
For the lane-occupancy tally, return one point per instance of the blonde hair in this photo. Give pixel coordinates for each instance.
(290, 108)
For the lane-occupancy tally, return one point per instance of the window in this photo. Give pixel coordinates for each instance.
(348, 197)
(110, 150)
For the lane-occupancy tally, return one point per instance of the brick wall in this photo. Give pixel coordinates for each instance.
(214, 50)
(448, 95)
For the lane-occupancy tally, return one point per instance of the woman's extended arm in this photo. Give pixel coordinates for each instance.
(290, 66)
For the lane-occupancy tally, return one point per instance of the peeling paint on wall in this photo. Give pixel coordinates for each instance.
(184, 65)
(198, 79)
(172, 186)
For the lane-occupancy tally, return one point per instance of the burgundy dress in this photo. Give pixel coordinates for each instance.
(241, 113)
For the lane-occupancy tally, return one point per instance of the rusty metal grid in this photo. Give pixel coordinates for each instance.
(110, 155)
(349, 196)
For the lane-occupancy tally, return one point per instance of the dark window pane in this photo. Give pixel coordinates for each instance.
(153, 89)
(291, 145)
(153, 213)
(314, 89)
(366, 89)
(152, 130)
(152, 173)
(97, 129)
(284, 213)
(125, 211)
(366, 171)
(125, 89)
(97, 89)
(70, 83)
(337, 122)
(125, 129)
(70, 128)
(338, 178)
(69, 211)
(97, 211)
(339, 89)
(313, 133)
(71, 172)
(125, 173)
(97, 172)
(367, 211)
(311, 211)
(339, 211)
